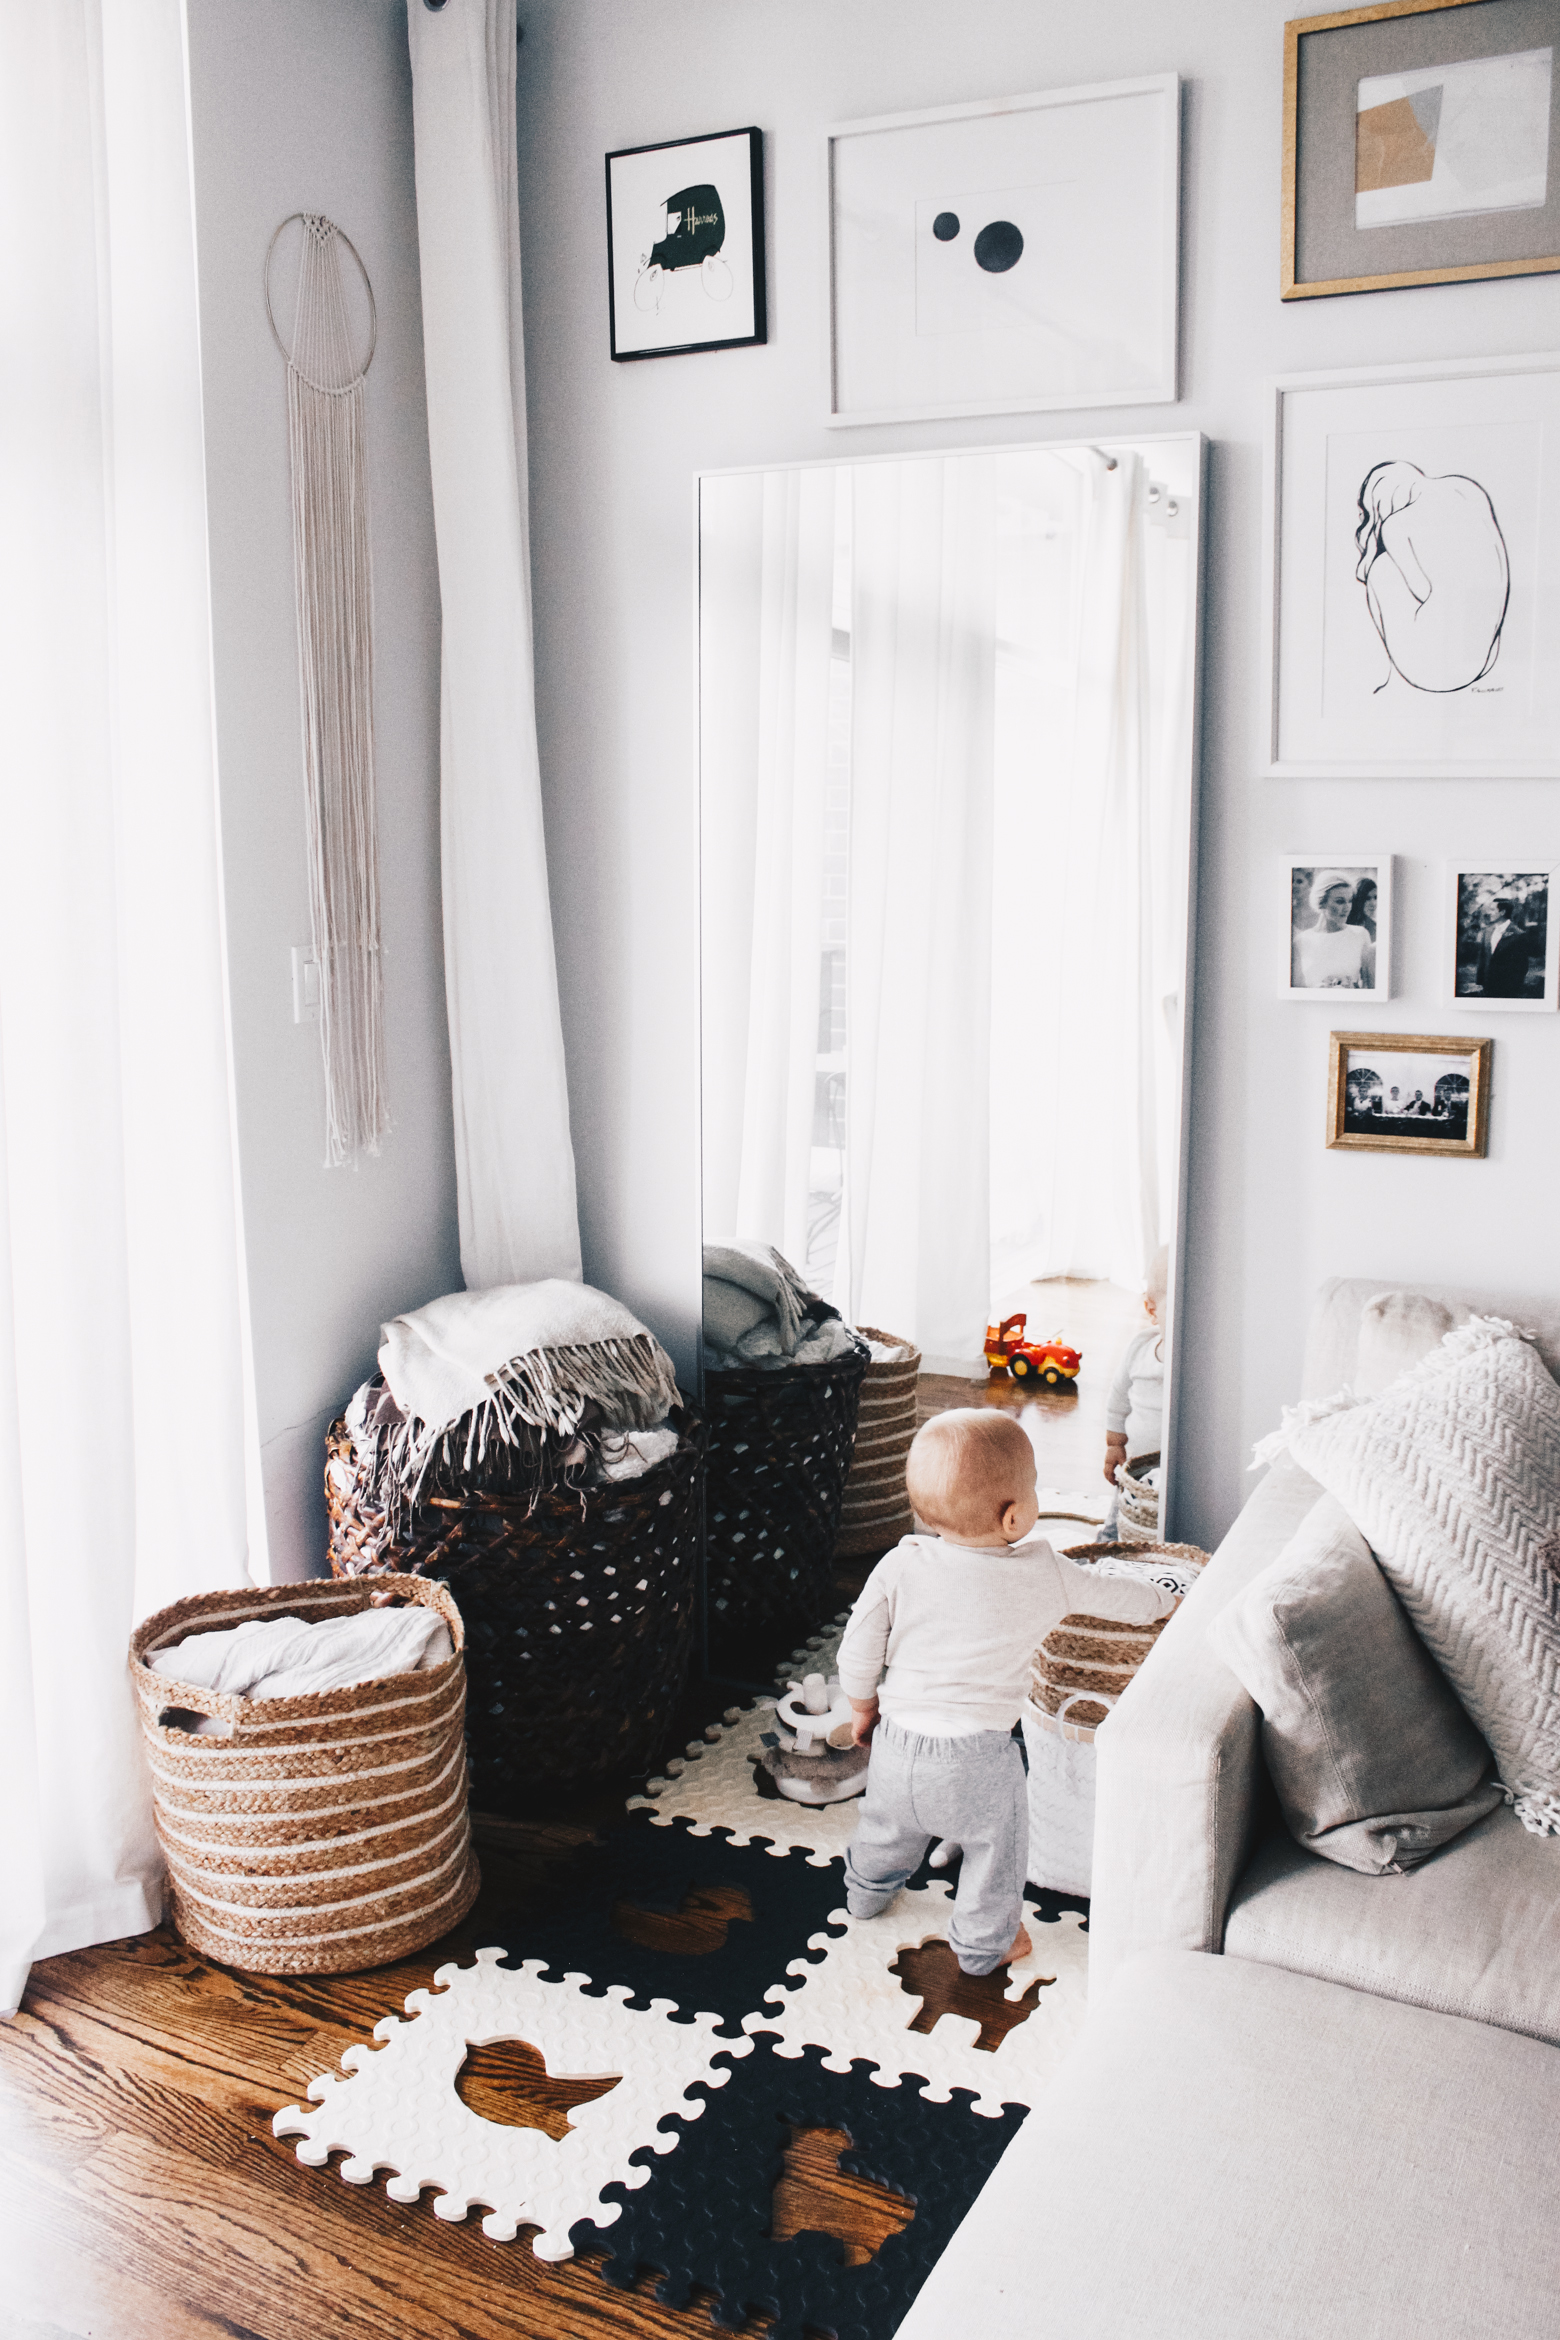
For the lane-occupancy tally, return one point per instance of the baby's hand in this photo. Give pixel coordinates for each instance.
(1115, 1452)
(863, 1720)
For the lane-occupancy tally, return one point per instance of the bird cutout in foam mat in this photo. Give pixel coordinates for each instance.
(679, 1913)
(725, 2213)
(862, 2000)
(400, 2109)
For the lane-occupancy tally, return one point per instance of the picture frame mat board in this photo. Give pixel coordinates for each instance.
(1334, 704)
(923, 325)
(1487, 1003)
(1385, 874)
(1476, 1053)
(674, 324)
(1326, 248)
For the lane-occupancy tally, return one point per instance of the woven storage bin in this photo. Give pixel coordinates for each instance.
(580, 1612)
(1080, 1670)
(780, 1450)
(1137, 1506)
(875, 1511)
(328, 1833)
(1183, 1562)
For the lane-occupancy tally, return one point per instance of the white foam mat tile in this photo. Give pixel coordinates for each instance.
(851, 2005)
(399, 2110)
(712, 1786)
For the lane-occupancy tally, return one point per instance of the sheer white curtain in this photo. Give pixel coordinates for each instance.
(126, 1450)
(514, 1159)
(1086, 909)
(766, 633)
(919, 957)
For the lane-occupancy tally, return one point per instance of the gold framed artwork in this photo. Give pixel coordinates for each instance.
(1409, 1093)
(1420, 145)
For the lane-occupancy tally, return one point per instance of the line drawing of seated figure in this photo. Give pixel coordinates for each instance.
(1436, 575)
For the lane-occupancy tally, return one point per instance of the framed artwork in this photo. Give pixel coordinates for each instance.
(1006, 257)
(1400, 1093)
(1419, 145)
(1337, 934)
(1503, 944)
(1413, 573)
(685, 246)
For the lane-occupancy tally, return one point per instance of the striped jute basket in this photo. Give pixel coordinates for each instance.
(876, 1511)
(317, 1835)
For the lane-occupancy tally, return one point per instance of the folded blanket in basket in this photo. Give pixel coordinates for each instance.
(759, 1311)
(291, 1657)
(518, 1359)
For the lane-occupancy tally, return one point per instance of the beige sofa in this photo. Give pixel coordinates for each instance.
(1307, 2102)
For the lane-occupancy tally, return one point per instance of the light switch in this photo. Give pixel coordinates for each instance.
(305, 984)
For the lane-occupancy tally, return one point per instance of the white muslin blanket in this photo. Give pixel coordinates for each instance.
(288, 1657)
(444, 1360)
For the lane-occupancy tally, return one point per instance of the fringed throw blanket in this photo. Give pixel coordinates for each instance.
(532, 1375)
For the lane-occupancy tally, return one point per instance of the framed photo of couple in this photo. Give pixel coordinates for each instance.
(1501, 949)
(1337, 936)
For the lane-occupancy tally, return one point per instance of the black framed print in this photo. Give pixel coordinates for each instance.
(685, 245)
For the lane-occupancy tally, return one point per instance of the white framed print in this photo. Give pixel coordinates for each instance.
(1502, 943)
(685, 246)
(1337, 925)
(1413, 573)
(1006, 257)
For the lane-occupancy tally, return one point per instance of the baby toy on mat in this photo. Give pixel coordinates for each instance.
(935, 1662)
(1135, 1408)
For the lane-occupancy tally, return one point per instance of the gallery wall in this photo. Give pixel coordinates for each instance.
(299, 105)
(613, 451)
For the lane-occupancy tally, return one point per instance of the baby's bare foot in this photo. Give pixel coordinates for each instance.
(1022, 1946)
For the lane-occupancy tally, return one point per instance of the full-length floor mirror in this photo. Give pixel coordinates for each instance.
(947, 788)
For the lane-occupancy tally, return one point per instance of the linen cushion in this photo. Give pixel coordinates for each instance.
(1374, 1761)
(1397, 1330)
(1453, 1477)
(1236, 2153)
(1474, 1932)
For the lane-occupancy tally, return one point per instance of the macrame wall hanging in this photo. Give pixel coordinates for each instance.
(336, 674)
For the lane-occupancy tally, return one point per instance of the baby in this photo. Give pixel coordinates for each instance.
(1134, 1410)
(948, 1623)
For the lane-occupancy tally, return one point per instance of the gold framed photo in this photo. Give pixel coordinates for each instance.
(1420, 145)
(1409, 1093)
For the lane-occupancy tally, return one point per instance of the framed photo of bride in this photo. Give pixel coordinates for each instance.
(1338, 933)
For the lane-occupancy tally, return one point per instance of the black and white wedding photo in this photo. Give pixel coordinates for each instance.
(1504, 948)
(1340, 913)
(1407, 1094)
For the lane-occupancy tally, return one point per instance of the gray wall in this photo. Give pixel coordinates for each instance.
(613, 449)
(306, 105)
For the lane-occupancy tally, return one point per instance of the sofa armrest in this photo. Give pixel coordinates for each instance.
(1180, 1770)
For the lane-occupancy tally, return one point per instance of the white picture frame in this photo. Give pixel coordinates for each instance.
(932, 215)
(1378, 480)
(1469, 886)
(1296, 915)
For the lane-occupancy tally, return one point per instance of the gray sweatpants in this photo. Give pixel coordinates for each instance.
(972, 1789)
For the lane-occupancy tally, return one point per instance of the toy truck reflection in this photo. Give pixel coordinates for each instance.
(1007, 1351)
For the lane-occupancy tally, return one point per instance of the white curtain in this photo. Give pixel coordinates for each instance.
(919, 958)
(1087, 864)
(128, 1469)
(514, 1162)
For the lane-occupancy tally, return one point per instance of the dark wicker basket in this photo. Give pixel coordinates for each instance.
(580, 1613)
(779, 1453)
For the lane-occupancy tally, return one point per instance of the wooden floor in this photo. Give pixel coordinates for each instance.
(143, 2197)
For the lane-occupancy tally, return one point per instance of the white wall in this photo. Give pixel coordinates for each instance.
(612, 452)
(306, 105)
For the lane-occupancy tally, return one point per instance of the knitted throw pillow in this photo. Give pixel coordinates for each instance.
(1453, 1477)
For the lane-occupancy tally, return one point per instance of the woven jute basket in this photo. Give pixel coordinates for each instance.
(1137, 1508)
(875, 1511)
(581, 1610)
(319, 1835)
(780, 1451)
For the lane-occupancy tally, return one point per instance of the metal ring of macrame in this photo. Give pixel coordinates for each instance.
(313, 221)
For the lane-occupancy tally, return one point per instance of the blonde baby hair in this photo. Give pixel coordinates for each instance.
(966, 1467)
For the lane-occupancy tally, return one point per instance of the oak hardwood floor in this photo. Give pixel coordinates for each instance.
(143, 2197)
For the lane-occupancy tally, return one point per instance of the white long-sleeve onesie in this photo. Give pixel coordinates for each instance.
(1136, 1404)
(957, 1629)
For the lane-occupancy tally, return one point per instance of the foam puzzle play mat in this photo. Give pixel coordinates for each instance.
(722, 2059)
